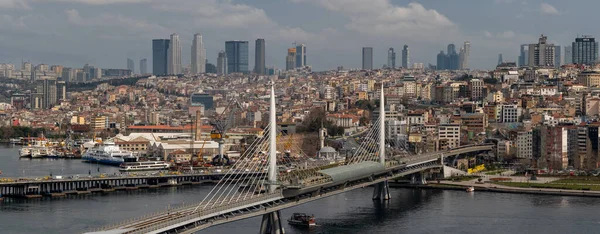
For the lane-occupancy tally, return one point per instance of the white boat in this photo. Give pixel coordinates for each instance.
(25, 152)
(107, 153)
(37, 150)
(470, 189)
(144, 166)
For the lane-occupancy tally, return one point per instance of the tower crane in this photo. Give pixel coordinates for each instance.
(221, 123)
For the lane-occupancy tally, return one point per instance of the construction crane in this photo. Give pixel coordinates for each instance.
(221, 124)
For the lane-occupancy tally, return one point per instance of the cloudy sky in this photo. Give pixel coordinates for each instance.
(106, 32)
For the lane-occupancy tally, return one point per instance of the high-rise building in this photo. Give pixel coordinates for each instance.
(500, 59)
(174, 56)
(300, 55)
(452, 59)
(259, 56)
(524, 55)
(405, 57)
(441, 61)
(61, 90)
(476, 89)
(542, 53)
(391, 62)
(568, 54)
(466, 55)
(131, 65)
(557, 56)
(160, 49)
(198, 55)
(461, 58)
(144, 66)
(367, 58)
(391, 58)
(290, 59)
(222, 63)
(237, 56)
(585, 50)
(47, 88)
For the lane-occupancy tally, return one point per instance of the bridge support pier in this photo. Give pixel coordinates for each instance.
(381, 191)
(418, 178)
(271, 223)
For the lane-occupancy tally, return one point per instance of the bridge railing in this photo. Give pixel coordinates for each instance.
(211, 211)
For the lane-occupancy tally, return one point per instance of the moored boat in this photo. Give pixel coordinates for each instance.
(24, 152)
(302, 219)
(470, 189)
(107, 153)
(144, 166)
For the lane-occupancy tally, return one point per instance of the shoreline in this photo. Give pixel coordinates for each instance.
(501, 189)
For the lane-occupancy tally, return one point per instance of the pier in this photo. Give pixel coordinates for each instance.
(33, 188)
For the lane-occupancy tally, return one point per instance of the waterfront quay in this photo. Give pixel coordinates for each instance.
(33, 188)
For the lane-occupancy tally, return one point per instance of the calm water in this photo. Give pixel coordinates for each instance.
(409, 211)
(13, 166)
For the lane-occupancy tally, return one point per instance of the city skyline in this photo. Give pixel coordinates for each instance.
(124, 19)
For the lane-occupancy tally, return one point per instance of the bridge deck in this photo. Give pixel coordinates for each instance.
(188, 219)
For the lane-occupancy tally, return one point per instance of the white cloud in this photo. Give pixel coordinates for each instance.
(546, 8)
(97, 2)
(500, 35)
(14, 4)
(382, 18)
(112, 20)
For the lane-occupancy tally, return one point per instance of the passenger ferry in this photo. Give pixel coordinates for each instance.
(108, 153)
(143, 166)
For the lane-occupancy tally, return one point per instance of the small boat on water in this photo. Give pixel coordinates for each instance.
(470, 189)
(302, 219)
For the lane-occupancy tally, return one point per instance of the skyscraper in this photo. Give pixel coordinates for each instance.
(452, 61)
(301, 55)
(568, 54)
(144, 66)
(47, 87)
(174, 56)
(391, 58)
(542, 53)
(259, 56)
(160, 49)
(222, 63)
(441, 61)
(557, 56)
(367, 58)
(523, 55)
(461, 58)
(237, 56)
(405, 57)
(585, 50)
(290, 59)
(131, 65)
(500, 59)
(198, 55)
(467, 55)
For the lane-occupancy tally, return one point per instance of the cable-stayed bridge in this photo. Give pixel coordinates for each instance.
(241, 194)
